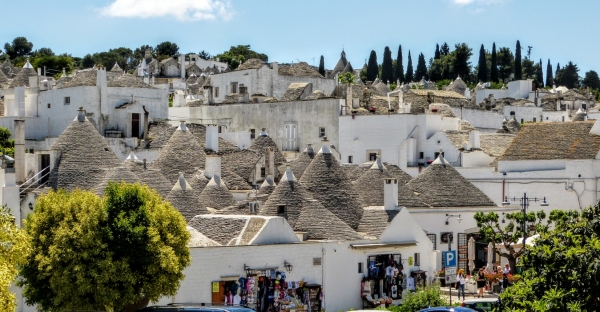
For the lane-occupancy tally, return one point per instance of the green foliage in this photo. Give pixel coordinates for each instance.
(239, 54)
(387, 71)
(429, 296)
(444, 49)
(372, 67)
(436, 69)
(399, 70)
(409, 69)
(591, 80)
(393, 86)
(549, 76)
(510, 233)
(347, 78)
(506, 63)
(441, 84)
(20, 46)
(539, 77)
(43, 51)
(421, 71)
(561, 271)
(518, 65)
(461, 64)
(54, 63)
(437, 55)
(569, 76)
(322, 66)
(93, 253)
(494, 65)
(14, 245)
(482, 70)
(204, 55)
(167, 48)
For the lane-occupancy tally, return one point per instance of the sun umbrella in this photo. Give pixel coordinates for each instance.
(471, 254)
(490, 256)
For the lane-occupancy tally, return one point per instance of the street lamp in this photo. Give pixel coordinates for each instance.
(459, 219)
(524, 204)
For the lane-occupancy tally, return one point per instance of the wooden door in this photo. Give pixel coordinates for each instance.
(218, 297)
(135, 125)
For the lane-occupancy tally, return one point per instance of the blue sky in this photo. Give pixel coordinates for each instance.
(302, 30)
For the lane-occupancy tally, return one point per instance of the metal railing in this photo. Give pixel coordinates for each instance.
(41, 176)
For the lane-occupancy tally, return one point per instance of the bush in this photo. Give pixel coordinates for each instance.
(429, 296)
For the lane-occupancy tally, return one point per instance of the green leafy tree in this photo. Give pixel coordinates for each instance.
(167, 48)
(421, 71)
(444, 49)
(372, 67)
(558, 74)
(511, 233)
(322, 66)
(239, 54)
(20, 46)
(539, 77)
(105, 254)
(87, 61)
(139, 53)
(430, 296)
(204, 55)
(591, 80)
(494, 65)
(528, 69)
(43, 52)
(14, 244)
(387, 71)
(347, 78)
(560, 272)
(549, 75)
(570, 76)
(54, 64)
(518, 67)
(437, 55)
(506, 62)
(409, 69)
(436, 70)
(399, 75)
(462, 53)
(482, 71)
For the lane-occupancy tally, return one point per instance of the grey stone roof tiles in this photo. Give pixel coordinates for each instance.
(84, 153)
(22, 78)
(221, 230)
(327, 181)
(375, 220)
(288, 193)
(440, 185)
(128, 81)
(185, 200)
(382, 89)
(4, 82)
(355, 172)
(341, 64)
(116, 68)
(261, 143)
(493, 144)
(301, 69)
(151, 177)
(191, 79)
(251, 64)
(321, 224)
(294, 92)
(159, 133)
(81, 78)
(7, 68)
(182, 153)
(116, 174)
(216, 195)
(267, 187)
(458, 86)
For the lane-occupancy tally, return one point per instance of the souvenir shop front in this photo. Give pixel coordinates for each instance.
(269, 290)
(386, 278)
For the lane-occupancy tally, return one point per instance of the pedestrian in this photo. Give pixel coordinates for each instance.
(480, 282)
(504, 282)
(461, 277)
(506, 269)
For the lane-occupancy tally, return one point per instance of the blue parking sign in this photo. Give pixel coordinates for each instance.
(449, 258)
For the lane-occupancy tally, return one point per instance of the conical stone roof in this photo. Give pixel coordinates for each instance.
(267, 187)
(22, 78)
(182, 153)
(339, 67)
(290, 194)
(440, 185)
(4, 82)
(262, 142)
(116, 68)
(191, 79)
(185, 200)
(83, 155)
(321, 224)
(301, 163)
(151, 177)
(348, 68)
(458, 86)
(382, 89)
(354, 173)
(118, 175)
(7, 68)
(216, 195)
(327, 181)
(579, 116)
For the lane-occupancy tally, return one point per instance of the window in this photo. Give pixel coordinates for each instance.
(512, 113)
(321, 132)
(220, 129)
(432, 238)
(522, 120)
(262, 172)
(280, 210)
(217, 92)
(316, 261)
(584, 106)
(350, 159)
(421, 155)
(360, 267)
(48, 105)
(534, 120)
(67, 100)
(372, 156)
(234, 86)
(252, 133)
(546, 118)
(417, 259)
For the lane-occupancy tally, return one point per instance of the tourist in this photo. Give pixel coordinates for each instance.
(506, 269)
(461, 277)
(480, 282)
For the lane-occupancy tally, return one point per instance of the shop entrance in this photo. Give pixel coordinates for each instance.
(384, 279)
(481, 251)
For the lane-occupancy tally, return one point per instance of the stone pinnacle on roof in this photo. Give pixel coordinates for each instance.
(580, 115)
(216, 195)
(131, 156)
(267, 187)
(287, 199)
(301, 163)
(440, 185)
(185, 200)
(328, 182)
(182, 153)
(321, 224)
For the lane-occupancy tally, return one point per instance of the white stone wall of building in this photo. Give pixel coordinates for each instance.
(62, 114)
(36, 128)
(480, 118)
(524, 113)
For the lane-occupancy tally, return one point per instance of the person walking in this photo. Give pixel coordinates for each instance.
(461, 277)
(480, 282)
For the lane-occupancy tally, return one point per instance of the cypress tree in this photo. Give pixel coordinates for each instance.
(399, 75)
(518, 67)
(437, 55)
(549, 77)
(421, 68)
(540, 75)
(409, 69)
(482, 73)
(322, 66)
(372, 67)
(494, 68)
(557, 74)
(387, 72)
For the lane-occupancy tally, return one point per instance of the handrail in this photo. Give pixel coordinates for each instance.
(41, 171)
(29, 186)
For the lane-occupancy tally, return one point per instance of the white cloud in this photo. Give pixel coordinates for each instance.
(479, 2)
(183, 10)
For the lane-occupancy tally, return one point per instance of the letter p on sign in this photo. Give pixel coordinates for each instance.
(450, 258)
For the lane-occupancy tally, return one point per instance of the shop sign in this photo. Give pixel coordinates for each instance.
(410, 260)
(215, 287)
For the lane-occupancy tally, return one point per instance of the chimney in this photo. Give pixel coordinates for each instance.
(390, 193)
(474, 139)
(39, 71)
(10, 192)
(325, 149)
(212, 166)
(270, 161)
(263, 132)
(212, 138)
(81, 114)
(182, 66)
(182, 126)
(19, 150)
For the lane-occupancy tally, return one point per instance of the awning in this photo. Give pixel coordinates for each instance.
(472, 230)
(384, 245)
